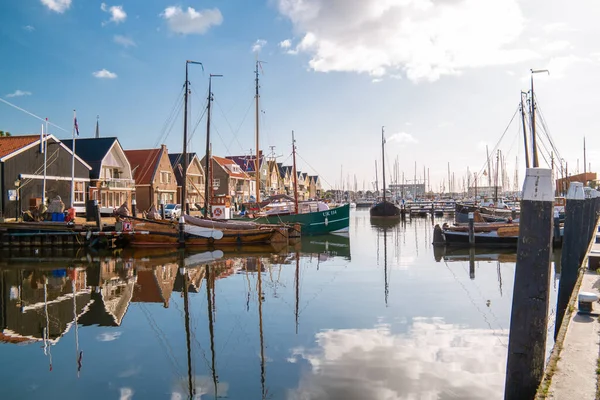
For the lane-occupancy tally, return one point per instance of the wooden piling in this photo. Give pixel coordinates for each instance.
(133, 208)
(162, 209)
(528, 323)
(471, 229)
(571, 250)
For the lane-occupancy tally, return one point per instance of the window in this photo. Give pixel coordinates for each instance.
(165, 177)
(79, 192)
(103, 200)
(216, 182)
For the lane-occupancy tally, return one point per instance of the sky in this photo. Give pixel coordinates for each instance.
(444, 77)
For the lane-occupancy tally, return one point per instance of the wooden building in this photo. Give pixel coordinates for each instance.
(22, 173)
(248, 165)
(153, 176)
(229, 179)
(111, 181)
(195, 178)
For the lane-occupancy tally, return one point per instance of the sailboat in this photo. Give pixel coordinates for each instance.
(314, 217)
(193, 231)
(384, 208)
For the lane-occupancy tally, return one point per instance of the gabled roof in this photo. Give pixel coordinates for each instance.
(314, 178)
(247, 163)
(176, 160)
(143, 164)
(10, 146)
(93, 151)
(285, 169)
(225, 162)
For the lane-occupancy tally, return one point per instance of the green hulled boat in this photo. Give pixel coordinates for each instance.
(335, 220)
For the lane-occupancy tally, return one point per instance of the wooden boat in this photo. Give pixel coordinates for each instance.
(166, 234)
(384, 208)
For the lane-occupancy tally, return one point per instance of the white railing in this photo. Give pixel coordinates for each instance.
(116, 183)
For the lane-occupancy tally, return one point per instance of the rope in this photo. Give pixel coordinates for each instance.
(33, 115)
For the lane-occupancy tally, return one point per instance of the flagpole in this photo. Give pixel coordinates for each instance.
(73, 162)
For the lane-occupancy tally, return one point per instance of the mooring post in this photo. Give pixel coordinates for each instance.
(471, 229)
(162, 209)
(570, 250)
(181, 231)
(133, 208)
(187, 207)
(472, 263)
(513, 213)
(556, 226)
(97, 215)
(528, 322)
(585, 229)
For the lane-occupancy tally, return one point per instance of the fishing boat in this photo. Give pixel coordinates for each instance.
(314, 217)
(384, 208)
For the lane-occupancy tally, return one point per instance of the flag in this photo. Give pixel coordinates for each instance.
(76, 126)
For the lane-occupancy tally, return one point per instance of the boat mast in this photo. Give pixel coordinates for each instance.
(524, 130)
(208, 155)
(489, 171)
(376, 179)
(383, 160)
(297, 288)
(496, 184)
(584, 160)
(209, 304)
(185, 140)
(257, 163)
(295, 174)
(261, 336)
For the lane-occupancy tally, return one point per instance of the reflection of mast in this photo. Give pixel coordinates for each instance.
(297, 288)
(385, 265)
(262, 347)
(47, 350)
(78, 354)
(499, 278)
(186, 310)
(209, 302)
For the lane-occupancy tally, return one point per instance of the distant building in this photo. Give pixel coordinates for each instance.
(562, 184)
(195, 177)
(407, 189)
(484, 191)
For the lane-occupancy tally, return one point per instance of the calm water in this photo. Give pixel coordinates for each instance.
(377, 315)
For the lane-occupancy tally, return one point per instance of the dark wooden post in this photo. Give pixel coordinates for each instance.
(513, 213)
(133, 208)
(585, 229)
(471, 229)
(556, 234)
(181, 231)
(162, 209)
(472, 263)
(570, 250)
(528, 322)
(187, 207)
(98, 216)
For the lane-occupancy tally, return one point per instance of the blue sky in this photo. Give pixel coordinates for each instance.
(444, 78)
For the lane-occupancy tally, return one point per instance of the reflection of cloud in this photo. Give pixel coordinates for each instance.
(108, 336)
(202, 385)
(126, 393)
(434, 360)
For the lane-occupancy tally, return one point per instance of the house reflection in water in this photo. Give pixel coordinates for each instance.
(40, 305)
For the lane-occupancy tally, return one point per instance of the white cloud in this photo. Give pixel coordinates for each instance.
(422, 39)
(433, 360)
(29, 28)
(258, 45)
(124, 41)
(556, 46)
(59, 6)
(19, 93)
(108, 336)
(126, 393)
(117, 14)
(191, 21)
(558, 27)
(445, 124)
(402, 138)
(285, 44)
(104, 74)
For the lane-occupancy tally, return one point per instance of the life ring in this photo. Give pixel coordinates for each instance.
(218, 212)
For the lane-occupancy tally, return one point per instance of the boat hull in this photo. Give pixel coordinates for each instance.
(335, 220)
(385, 209)
(485, 239)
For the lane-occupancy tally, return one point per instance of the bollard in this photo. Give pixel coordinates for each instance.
(181, 231)
(98, 216)
(586, 302)
(471, 229)
(513, 213)
(528, 322)
(570, 250)
(556, 235)
(133, 210)
(162, 209)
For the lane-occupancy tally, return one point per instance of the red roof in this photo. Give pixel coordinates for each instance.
(10, 144)
(144, 163)
(225, 162)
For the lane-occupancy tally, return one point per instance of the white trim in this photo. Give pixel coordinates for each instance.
(52, 178)
(37, 142)
(329, 222)
(123, 156)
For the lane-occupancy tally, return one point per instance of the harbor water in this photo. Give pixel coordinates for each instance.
(379, 314)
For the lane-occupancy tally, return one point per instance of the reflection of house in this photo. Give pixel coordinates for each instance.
(155, 284)
(195, 277)
(22, 164)
(25, 316)
(195, 177)
(111, 181)
(153, 175)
